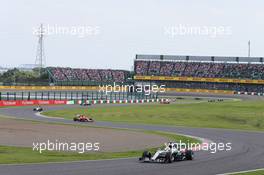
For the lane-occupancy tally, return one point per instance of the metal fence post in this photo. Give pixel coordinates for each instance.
(29, 96)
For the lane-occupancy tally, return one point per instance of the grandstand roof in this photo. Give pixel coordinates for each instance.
(200, 58)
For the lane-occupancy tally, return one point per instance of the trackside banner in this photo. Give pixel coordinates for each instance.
(32, 102)
(198, 79)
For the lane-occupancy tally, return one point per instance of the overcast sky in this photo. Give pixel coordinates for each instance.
(120, 29)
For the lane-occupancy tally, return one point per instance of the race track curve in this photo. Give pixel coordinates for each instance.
(247, 153)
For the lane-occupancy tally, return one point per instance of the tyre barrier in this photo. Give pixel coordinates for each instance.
(72, 102)
(249, 93)
(118, 101)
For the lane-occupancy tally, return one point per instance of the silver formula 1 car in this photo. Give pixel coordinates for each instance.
(38, 109)
(169, 154)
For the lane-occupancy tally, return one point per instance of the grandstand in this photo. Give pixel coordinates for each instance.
(70, 76)
(239, 74)
(244, 74)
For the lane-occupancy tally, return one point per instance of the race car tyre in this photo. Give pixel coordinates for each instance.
(189, 155)
(173, 157)
(168, 157)
(146, 154)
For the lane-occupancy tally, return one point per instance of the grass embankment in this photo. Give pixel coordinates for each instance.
(16, 155)
(245, 115)
(260, 172)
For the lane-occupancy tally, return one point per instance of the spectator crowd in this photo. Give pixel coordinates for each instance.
(167, 68)
(96, 75)
(200, 69)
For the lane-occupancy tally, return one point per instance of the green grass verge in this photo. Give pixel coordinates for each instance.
(16, 155)
(261, 172)
(11, 155)
(245, 115)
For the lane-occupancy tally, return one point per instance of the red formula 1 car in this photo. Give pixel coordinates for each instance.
(82, 118)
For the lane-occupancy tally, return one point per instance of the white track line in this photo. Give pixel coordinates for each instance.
(238, 172)
(44, 116)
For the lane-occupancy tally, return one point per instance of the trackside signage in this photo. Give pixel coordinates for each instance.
(32, 102)
(27, 102)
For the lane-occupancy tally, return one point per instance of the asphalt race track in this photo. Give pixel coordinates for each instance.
(247, 153)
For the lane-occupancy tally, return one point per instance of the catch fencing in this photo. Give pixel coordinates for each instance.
(74, 95)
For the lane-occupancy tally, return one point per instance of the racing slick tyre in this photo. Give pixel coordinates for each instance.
(168, 157)
(189, 155)
(146, 154)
